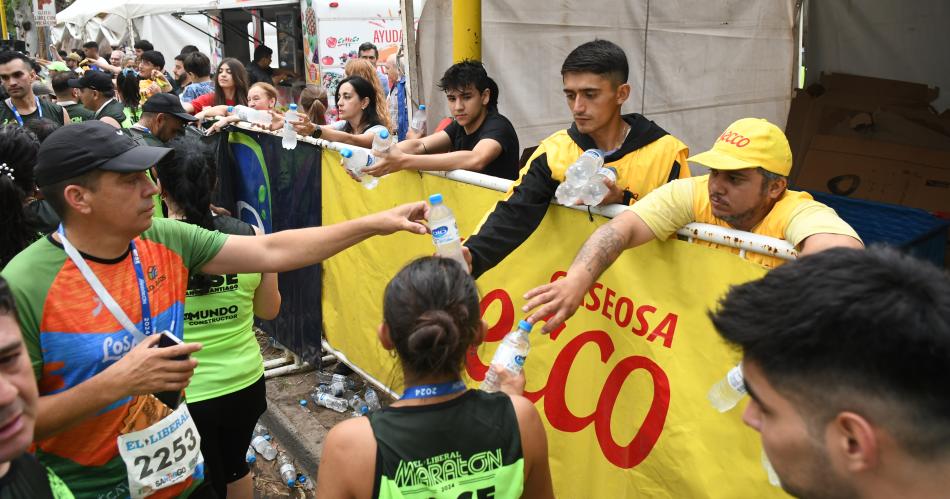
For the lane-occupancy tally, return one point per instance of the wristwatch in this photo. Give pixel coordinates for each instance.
(317, 131)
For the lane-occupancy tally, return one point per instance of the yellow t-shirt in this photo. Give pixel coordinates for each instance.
(794, 218)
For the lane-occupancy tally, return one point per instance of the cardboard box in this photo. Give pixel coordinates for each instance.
(877, 171)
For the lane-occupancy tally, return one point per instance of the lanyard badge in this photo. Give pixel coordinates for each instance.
(434, 390)
(16, 114)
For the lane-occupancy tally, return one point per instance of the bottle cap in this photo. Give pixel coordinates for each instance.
(346, 153)
(230, 109)
(303, 402)
(290, 483)
(384, 134)
(422, 107)
(525, 325)
(251, 459)
(435, 199)
(293, 107)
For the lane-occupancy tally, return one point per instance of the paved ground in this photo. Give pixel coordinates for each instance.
(297, 430)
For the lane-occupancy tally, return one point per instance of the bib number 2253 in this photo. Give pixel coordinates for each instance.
(166, 453)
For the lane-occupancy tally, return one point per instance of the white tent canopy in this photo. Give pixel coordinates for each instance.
(81, 11)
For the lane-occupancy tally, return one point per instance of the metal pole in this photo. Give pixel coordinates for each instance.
(3, 20)
(466, 30)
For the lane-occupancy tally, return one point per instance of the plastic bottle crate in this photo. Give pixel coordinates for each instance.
(910, 229)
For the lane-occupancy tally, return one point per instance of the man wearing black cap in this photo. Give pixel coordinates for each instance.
(97, 94)
(162, 119)
(66, 98)
(97, 294)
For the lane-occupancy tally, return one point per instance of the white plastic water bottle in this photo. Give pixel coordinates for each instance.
(264, 448)
(419, 120)
(356, 160)
(305, 483)
(250, 114)
(357, 404)
(372, 399)
(290, 135)
(726, 393)
(445, 232)
(585, 167)
(511, 355)
(250, 457)
(567, 194)
(287, 471)
(595, 190)
(330, 402)
(381, 143)
(329, 378)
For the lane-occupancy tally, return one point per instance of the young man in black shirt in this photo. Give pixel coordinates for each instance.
(479, 139)
(22, 105)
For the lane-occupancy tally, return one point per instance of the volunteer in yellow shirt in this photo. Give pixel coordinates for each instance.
(745, 190)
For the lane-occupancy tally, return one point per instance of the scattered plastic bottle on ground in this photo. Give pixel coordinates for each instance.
(287, 471)
(259, 429)
(324, 378)
(251, 115)
(356, 160)
(330, 402)
(290, 135)
(250, 457)
(264, 448)
(372, 399)
(357, 404)
(726, 393)
(595, 190)
(305, 483)
(419, 120)
(445, 232)
(511, 355)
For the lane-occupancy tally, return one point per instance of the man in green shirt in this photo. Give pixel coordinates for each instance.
(68, 98)
(97, 93)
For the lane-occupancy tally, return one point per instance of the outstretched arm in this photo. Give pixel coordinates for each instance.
(294, 249)
(560, 299)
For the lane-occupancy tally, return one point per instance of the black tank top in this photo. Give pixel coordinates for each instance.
(469, 446)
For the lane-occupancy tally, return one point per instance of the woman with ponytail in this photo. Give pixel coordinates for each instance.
(431, 317)
(226, 394)
(18, 227)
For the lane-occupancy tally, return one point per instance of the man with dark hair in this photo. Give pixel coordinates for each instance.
(259, 69)
(480, 138)
(68, 98)
(21, 475)
(746, 189)
(97, 94)
(198, 69)
(644, 156)
(152, 76)
(22, 105)
(187, 49)
(141, 47)
(96, 295)
(179, 73)
(845, 357)
(163, 118)
(367, 51)
(97, 62)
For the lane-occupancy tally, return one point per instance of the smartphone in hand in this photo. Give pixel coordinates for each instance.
(172, 398)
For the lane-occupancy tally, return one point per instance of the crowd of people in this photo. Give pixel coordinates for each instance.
(111, 246)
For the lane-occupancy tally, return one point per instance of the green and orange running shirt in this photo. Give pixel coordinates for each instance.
(72, 337)
(469, 446)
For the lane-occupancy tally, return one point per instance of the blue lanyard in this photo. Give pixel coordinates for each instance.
(16, 114)
(436, 390)
(100, 289)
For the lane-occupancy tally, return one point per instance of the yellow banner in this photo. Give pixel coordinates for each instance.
(621, 387)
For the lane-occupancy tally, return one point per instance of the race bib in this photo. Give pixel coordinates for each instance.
(163, 454)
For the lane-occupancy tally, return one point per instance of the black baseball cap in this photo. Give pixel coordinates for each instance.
(168, 104)
(73, 150)
(95, 80)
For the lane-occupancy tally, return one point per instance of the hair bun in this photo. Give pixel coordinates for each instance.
(434, 337)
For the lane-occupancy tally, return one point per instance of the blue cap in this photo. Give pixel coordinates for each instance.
(291, 482)
(435, 199)
(384, 134)
(251, 458)
(525, 325)
(422, 107)
(293, 107)
(302, 478)
(303, 402)
(346, 153)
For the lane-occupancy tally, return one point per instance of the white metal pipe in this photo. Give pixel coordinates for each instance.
(706, 232)
(268, 364)
(288, 369)
(369, 379)
(746, 241)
